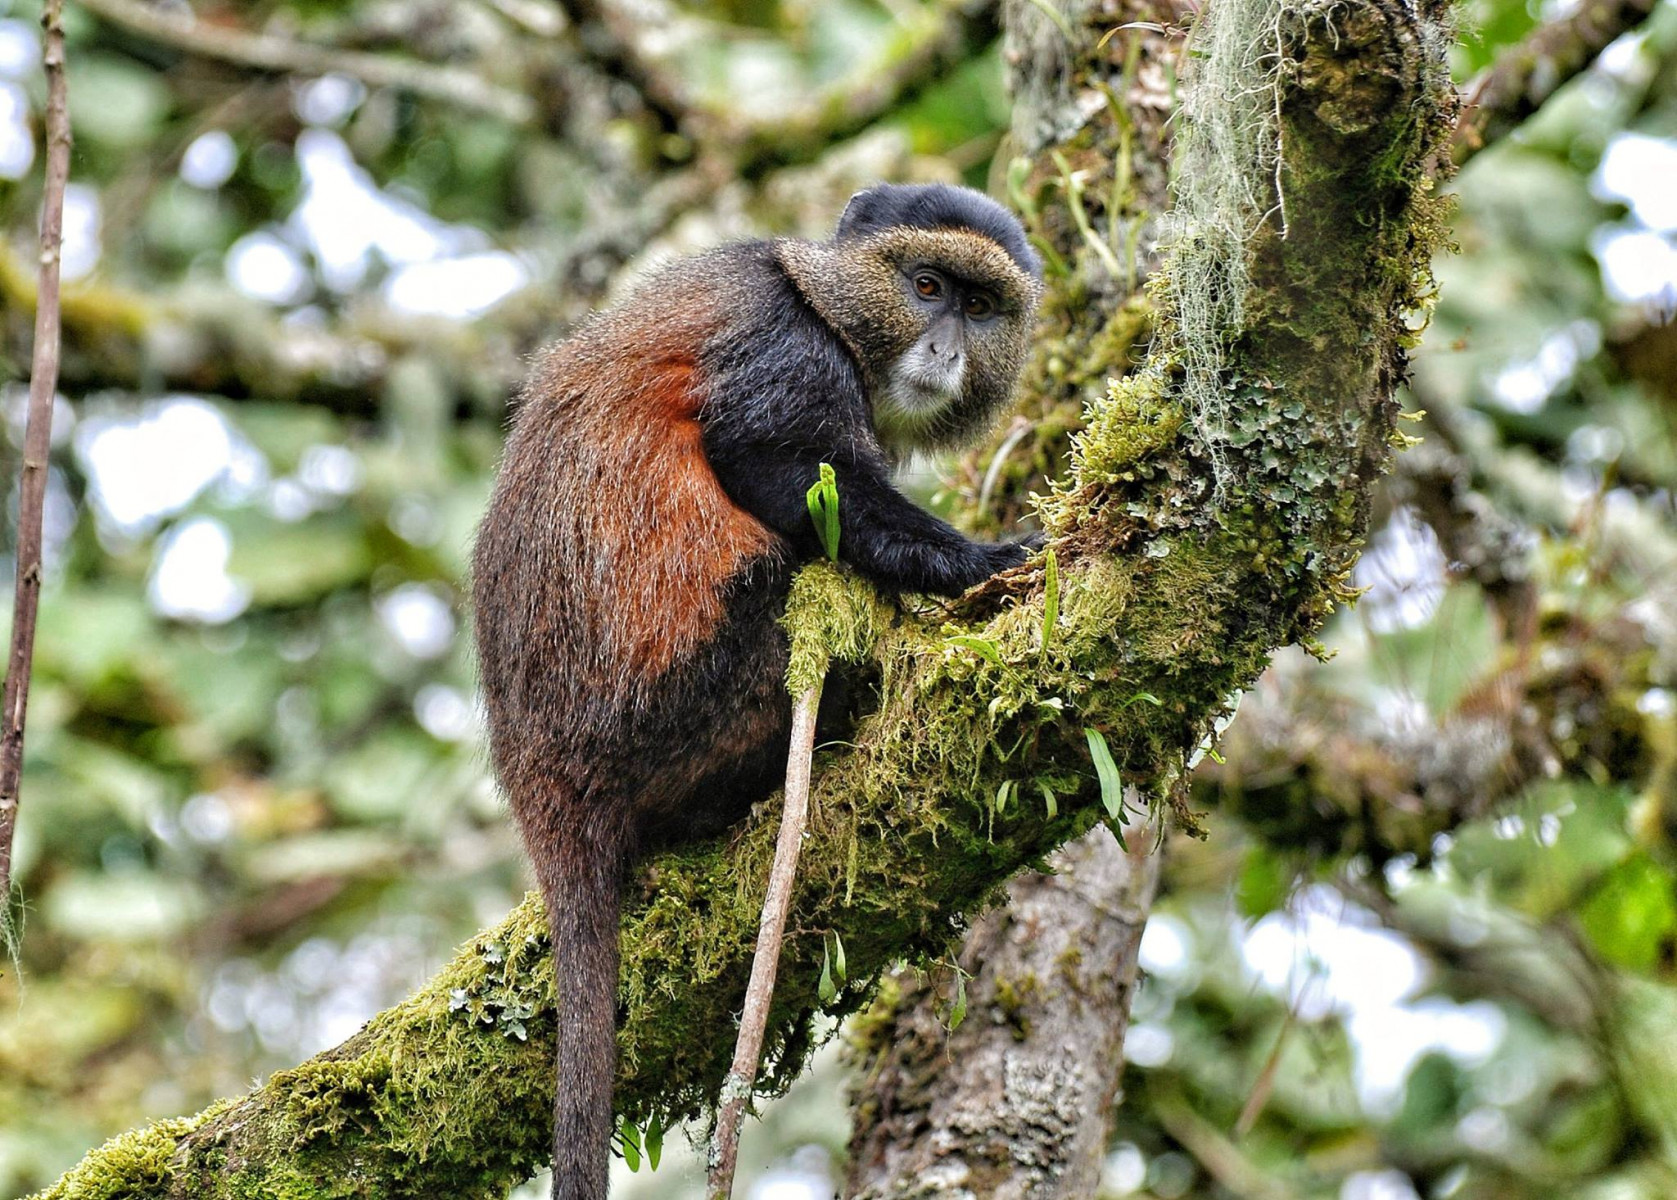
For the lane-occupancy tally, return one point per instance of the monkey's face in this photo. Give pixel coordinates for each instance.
(926, 385)
(949, 335)
(939, 320)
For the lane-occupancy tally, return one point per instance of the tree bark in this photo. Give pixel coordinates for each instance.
(1188, 548)
(1015, 1103)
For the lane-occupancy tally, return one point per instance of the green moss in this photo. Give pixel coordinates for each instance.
(1138, 420)
(864, 1031)
(1068, 361)
(831, 613)
(1013, 999)
(1069, 965)
(130, 1165)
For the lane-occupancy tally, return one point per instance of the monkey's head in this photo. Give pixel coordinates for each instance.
(934, 289)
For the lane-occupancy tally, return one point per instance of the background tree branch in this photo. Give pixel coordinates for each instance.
(266, 52)
(1523, 78)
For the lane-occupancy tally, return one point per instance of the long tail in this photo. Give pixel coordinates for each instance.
(584, 917)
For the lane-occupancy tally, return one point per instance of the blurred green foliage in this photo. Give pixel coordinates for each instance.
(245, 831)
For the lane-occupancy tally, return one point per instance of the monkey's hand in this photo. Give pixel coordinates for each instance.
(882, 533)
(1009, 554)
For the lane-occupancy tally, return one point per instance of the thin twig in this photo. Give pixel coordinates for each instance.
(540, 17)
(1526, 75)
(736, 1088)
(267, 52)
(37, 444)
(1221, 1158)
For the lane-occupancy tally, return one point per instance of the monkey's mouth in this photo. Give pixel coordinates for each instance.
(924, 387)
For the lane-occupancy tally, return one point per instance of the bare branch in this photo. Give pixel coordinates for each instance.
(37, 444)
(1522, 78)
(267, 52)
(748, 1050)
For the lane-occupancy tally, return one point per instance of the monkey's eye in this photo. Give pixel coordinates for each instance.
(928, 286)
(978, 306)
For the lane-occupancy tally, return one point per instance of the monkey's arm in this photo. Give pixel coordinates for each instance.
(785, 397)
(882, 533)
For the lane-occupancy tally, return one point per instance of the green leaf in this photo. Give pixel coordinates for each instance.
(1112, 784)
(1632, 915)
(1117, 828)
(289, 564)
(826, 989)
(1048, 799)
(629, 1140)
(958, 1010)
(1004, 794)
(130, 906)
(1050, 599)
(823, 502)
(655, 1140)
(983, 647)
(1262, 885)
(840, 971)
(119, 102)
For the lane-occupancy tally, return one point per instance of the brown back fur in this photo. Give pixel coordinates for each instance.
(598, 568)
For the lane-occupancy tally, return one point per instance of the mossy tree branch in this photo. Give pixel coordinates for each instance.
(1177, 580)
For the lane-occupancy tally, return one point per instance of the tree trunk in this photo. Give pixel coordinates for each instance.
(1017, 1102)
(1042, 1057)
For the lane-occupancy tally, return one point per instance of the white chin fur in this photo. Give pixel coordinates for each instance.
(917, 394)
(923, 386)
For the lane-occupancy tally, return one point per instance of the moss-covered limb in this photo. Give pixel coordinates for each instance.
(928, 1116)
(1310, 770)
(1188, 551)
(1313, 773)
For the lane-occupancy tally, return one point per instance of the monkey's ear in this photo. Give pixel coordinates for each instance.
(862, 215)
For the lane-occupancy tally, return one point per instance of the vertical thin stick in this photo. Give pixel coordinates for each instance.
(37, 443)
(736, 1089)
